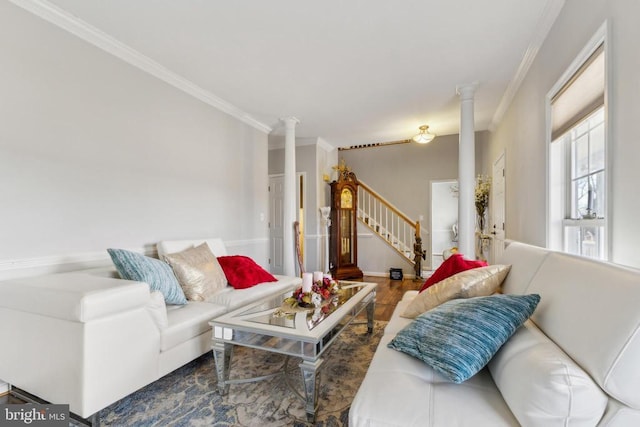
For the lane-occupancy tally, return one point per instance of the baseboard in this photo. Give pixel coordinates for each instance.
(375, 274)
(411, 276)
(4, 388)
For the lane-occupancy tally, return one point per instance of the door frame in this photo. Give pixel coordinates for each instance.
(301, 211)
(451, 182)
(498, 231)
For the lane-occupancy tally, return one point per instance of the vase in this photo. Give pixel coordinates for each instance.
(480, 219)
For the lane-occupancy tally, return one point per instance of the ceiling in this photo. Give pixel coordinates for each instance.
(353, 72)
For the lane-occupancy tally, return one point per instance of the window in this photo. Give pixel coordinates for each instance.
(583, 222)
(577, 161)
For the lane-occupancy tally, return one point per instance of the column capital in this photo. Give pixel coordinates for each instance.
(466, 91)
(290, 121)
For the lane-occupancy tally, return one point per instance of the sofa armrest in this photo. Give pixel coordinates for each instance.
(84, 340)
(76, 297)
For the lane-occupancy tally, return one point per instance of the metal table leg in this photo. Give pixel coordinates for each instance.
(310, 374)
(370, 311)
(222, 354)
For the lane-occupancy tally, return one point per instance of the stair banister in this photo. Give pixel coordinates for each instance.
(387, 221)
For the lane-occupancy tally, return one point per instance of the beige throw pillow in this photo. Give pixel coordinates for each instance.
(198, 272)
(477, 282)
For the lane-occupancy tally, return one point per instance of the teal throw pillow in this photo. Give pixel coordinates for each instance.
(459, 337)
(157, 274)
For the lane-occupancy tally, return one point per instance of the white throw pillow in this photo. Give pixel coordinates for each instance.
(542, 385)
(477, 282)
(198, 272)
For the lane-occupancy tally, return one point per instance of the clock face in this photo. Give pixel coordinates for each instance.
(346, 199)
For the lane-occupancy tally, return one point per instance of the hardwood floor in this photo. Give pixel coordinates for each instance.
(389, 292)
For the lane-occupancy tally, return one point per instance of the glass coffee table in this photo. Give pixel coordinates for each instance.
(305, 334)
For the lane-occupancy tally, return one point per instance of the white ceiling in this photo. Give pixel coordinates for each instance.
(354, 72)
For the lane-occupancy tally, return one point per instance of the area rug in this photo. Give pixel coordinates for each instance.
(189, 396)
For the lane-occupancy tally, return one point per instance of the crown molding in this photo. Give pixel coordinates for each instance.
(306, 141)
(325, 145)
(548, 17)
(277, 143)
(98, 38)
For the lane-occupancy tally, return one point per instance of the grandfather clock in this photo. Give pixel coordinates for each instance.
(343, 239)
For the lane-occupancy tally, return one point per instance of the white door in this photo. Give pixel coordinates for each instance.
(497, 208)
(276, 222)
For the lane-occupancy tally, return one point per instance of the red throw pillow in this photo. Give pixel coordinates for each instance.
(242, 272)
(455, 264)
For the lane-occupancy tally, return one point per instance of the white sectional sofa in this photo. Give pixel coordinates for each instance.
(89, 338)
(576, 362)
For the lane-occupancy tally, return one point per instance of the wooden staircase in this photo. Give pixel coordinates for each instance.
(387, 221)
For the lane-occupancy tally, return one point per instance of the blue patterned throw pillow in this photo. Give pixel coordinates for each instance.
(459, 337)
(157, 274)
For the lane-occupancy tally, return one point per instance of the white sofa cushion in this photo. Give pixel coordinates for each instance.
(234, 298)
(76, 296)
(542, 385)
(188, 321)
(618, 415)
(401, 391)
(525, 260)
(594, 317)
(158, 310)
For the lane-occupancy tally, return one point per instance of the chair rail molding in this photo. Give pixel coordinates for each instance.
(49, 264)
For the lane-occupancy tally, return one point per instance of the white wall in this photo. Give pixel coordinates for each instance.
(94, 153)
(522, 130)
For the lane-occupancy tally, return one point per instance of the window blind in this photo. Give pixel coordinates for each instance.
(580, 96)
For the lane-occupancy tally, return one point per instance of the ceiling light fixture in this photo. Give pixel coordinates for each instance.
(424, 136)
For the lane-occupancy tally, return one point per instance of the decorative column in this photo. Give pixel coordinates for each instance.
(289, 207)
(466, 172)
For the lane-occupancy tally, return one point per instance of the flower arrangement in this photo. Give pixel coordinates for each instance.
(321, 290)
(483, 187)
